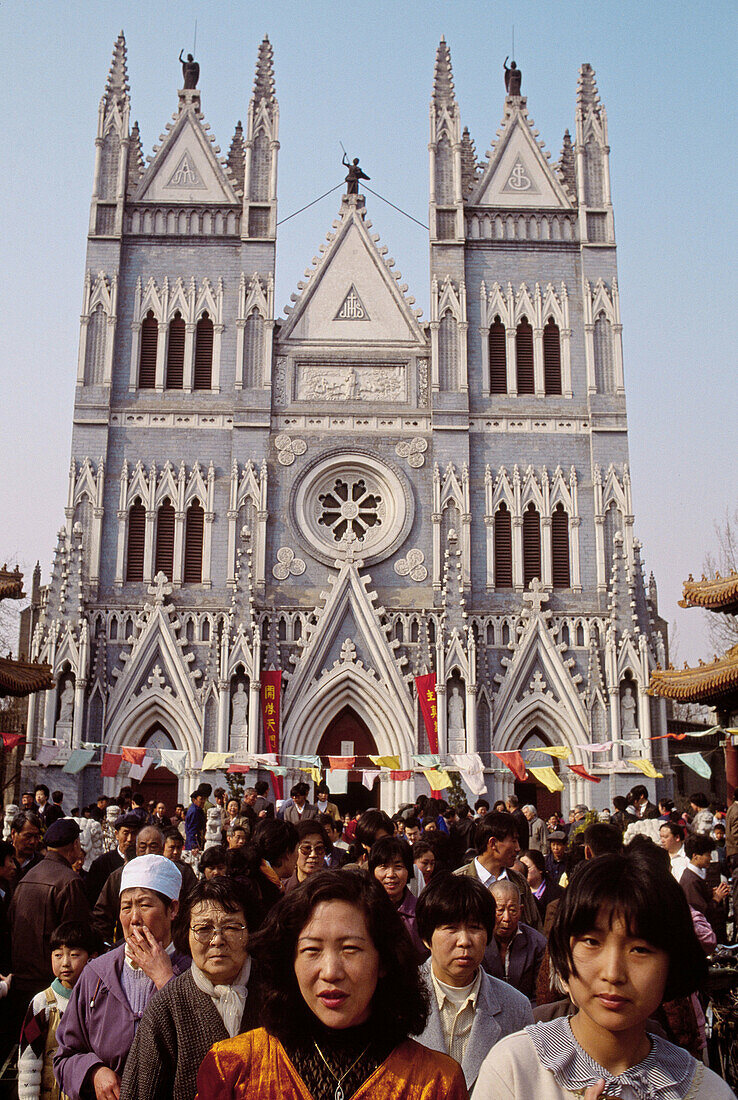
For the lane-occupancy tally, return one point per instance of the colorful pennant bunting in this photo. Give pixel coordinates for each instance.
(78, 760)
(138, 771)
(697, 762)
(391, 762)
(646, 767)
(368, 777)
(582, 772)
(471, 770)
(561, 752)
(46, 754)
(10, 740)
(427, 760)
(548, 777)
(174, 760)
(215, 761)
(314, 773)
(439, 780)
(133, 755)
(514, 761)
(110, 765)
(341, 763)
(398, 775)
(237, 769)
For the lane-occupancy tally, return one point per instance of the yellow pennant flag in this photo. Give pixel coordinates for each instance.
(646, 767)
(391, 762)
(438, 780)
(548, 777)
(314, 773)
(559, 751)
(214, 761)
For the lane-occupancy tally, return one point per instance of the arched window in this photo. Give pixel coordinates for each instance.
(95, 348)
(147, 358)
(604, 371)
(444, 172)
(194, 527)
(448, 352)
(497, 357)
(164, 556)
(560, 547)
(253, 350)
(260, 168)
(175, 353)
(551, 357)
(531, 545)
(503, 548)
(524, 357)
(205, 630)
(204, 353)
(593, 174)
(136, 542)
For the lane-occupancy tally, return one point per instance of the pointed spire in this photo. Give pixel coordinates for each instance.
(117, 87)
(135, 160)
(567, 164)
(236, 155)
(264, 79)
(443, 78)
(587, 95)
(468, 161)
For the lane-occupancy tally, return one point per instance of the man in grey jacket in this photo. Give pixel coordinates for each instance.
(469, 1010)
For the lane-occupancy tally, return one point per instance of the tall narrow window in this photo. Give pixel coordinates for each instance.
(95, 349)
(524, 357)
(204, 353)
(175, 353)
(604, 371)
(503, 548)
(194, 527)
(147, 358)
(448, 352)
(560, 547)
(551, 357)
(531, 545)
(444, 172)
(497, 357)
(136, 542)
(253, 349)
(260, 168)
(164, 558)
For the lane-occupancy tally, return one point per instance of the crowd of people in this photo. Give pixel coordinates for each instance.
(242, 947)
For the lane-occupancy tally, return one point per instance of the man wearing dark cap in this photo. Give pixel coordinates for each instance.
(127, 827)
(50, 894)
(556, 858)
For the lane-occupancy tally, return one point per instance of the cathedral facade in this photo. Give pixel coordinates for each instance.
(349, 493)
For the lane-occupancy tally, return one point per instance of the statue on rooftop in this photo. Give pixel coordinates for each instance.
(354, 175)
(513, 78)
(190, 70)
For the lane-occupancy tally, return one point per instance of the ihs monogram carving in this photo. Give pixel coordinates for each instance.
(326, 383)
(288, 449)
(287, 564)
(412, 566)
(352, 308)
(413, 450)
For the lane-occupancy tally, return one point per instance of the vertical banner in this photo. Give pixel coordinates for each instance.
(426, 688)
(271, 688)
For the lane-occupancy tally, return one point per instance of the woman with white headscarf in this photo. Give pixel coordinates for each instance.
(216, 999)
(109, 1000)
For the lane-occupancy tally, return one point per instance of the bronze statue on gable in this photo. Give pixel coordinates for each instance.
(190, 70)
(513, 78)
(354, 175)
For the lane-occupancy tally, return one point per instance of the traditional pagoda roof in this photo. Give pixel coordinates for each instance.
(21, 678)
(11, 584)
(716, 594)
(710, 683)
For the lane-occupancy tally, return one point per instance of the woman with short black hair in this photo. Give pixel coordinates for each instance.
(391, 864)
(342, 997)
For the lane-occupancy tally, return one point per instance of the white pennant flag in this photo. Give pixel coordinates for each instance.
(368, 776)
(471, 769)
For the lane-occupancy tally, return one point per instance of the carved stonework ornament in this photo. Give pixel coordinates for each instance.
(287, 564)
(422, 381)
(288, 449)
(186, 175)
(279, 383)
(520, 180)
(413, 450)
(352, 308)
(412, 566)
(327, 383)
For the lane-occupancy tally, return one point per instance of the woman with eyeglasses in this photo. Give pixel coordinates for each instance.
(313, 846)
(217, 998)
(342, 996)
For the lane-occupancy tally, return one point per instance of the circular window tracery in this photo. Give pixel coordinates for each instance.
(350, 506)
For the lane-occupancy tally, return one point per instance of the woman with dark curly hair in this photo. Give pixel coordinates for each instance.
(342, 996)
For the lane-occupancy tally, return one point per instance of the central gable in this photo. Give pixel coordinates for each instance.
(518, 174)
(352, 297)
(185, 169)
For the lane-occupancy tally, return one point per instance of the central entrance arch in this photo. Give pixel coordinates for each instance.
(535, 794)
(159, 784)
(348, 735)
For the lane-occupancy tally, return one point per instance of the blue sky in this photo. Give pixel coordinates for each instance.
(362, 75)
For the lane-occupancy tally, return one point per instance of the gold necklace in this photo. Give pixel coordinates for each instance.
(338, 1094)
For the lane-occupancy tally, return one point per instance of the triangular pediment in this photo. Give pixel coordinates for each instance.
(517, 174)
(352, 296)
(185, 168)
(537, 668)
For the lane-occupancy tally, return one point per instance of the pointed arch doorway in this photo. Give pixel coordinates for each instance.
(159, 784)
(535, 794)
(348, 735)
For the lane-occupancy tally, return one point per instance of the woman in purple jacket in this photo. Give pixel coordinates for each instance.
(98, 1026)
(391, 864)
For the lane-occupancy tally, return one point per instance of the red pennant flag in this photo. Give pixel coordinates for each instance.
(110, 765)
(237, 769)
(426, 688)
(10, 740)
(341, 763)
(514, 761)
(579, 770)
(400, 775)
(133, 756)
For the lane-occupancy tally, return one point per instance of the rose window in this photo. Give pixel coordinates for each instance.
(350, 507)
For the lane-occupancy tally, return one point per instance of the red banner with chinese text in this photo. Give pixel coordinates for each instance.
(271, 690)
(426, 688)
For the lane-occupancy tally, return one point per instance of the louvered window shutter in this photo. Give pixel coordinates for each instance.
(193, 544)
(560, 547)
(531, 545)
(524, 357)
(175, 353)
(497, 357)
(551, 357)
(204, 353)
(164, 559)
(136, 542)
(147, 358)
(503, 548)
